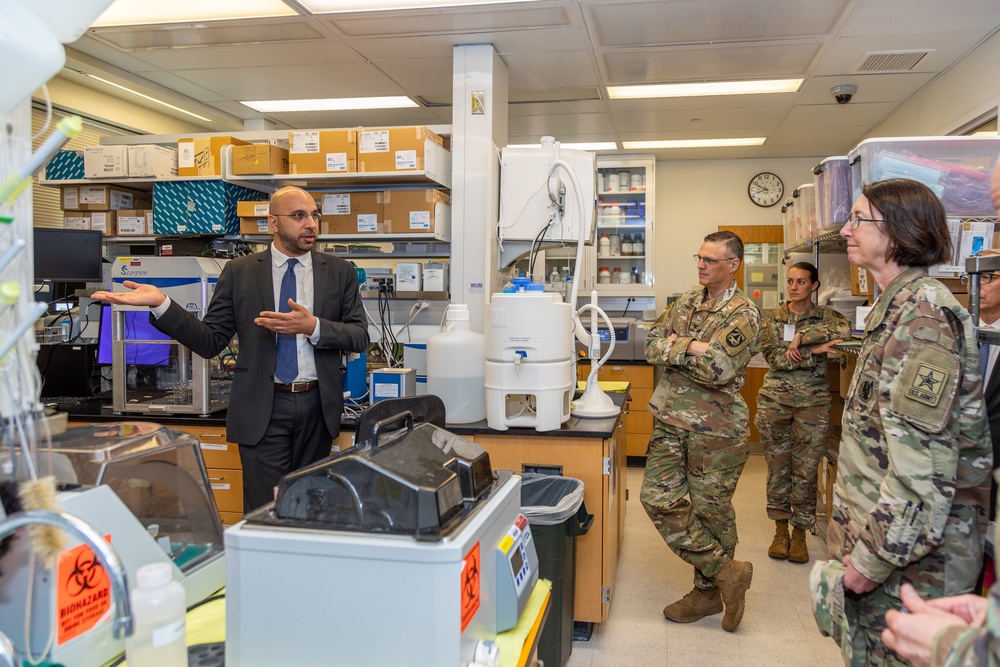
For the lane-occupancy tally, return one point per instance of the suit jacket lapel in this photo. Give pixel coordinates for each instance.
(265, 282)
(321, 281)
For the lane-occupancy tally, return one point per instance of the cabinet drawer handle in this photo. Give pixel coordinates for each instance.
(211, 435)
(216, 479)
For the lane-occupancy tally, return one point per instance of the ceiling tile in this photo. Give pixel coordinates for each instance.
(711, 64)
(210, 33)
(450, 21)
(923, 17)
(845, 53)
(889, 88)
(425, 76)
(258, 55)
(294, 81)
(561, 125)
(547, 108)
(749, 121)
(541, 71)
(694, 21)
(837, 115)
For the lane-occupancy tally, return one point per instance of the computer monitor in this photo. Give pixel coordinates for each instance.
(68, 255)
(137, 327)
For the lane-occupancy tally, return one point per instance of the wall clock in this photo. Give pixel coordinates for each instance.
(765, 189)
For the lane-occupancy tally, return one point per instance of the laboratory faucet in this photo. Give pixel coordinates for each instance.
(108, 556)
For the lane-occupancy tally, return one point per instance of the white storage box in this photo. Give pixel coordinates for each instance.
(834, 197)
(152, 161)
(105, 161)
(409, 276)
(957, 169)
(436, 277)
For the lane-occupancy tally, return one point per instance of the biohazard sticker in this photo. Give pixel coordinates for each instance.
(736, 340)
(470, 585)
(83, 592)
(927, 384)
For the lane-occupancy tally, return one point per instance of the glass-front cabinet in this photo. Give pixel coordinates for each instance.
(620, 262)
(763, 275)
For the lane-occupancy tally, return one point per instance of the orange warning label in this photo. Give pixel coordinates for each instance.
(470, 585)
(83, 592)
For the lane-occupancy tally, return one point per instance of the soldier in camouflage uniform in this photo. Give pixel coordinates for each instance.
(915, 457)
(793, 407)
(698, 447)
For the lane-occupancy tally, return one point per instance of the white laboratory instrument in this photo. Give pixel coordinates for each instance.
(411, 552)
(152, 373)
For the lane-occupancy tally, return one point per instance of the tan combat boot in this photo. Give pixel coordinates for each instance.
(798, 552)
(779, 545)
(733, 581)
(695, 605)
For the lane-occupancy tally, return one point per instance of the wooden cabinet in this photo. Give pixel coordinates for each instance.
(600, 464)
(639, 424)
(225, 472)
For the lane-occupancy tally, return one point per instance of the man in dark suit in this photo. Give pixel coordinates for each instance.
(288, 393)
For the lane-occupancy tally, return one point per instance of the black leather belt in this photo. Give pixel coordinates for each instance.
(297, 387)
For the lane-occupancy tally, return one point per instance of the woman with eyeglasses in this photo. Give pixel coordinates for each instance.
(793, 407)
(912, 487)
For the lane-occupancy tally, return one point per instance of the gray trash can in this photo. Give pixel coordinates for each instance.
(556, 515)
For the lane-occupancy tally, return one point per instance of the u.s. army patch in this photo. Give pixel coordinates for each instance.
(736, 340)
(927, 384)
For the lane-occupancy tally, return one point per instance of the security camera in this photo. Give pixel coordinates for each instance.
(843, 93)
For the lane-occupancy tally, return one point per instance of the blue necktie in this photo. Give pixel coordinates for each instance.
(286, 367)
(984, 359)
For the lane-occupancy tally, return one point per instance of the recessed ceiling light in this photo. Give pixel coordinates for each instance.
(694, 143)
(340, 6)
(334, 104)
(580, 146)
(146, 97)
(705, 89)
(142, 12)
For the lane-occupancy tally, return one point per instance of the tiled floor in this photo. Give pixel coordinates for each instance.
(777, 628)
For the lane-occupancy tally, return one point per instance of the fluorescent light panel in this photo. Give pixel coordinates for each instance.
(580, 146)
(143, 12)
(147, 97)
(334, 104)
(705, 89)
(342, 6)
(694, 143)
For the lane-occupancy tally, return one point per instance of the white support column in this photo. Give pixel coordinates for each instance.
(479, 131)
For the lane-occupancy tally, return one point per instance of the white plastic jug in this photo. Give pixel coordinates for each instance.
(456, 368)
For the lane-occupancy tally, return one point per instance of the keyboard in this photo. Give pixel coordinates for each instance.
(73, 400)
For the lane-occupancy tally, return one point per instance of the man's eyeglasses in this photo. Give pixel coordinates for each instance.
(984, 278)
(300, 216)
(712, 261)
(856, 221)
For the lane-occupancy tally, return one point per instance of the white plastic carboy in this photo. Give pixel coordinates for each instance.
(455, 370)
(529, 358)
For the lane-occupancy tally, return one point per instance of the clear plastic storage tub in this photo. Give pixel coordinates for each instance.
(788, 220)
(957, 169)
(805, 211)
(834, 197)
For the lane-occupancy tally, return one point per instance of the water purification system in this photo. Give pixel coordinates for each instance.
(537, 210)
(529, 358)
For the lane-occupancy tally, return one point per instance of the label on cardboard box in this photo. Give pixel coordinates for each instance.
(185, 154)
(131, 225)
(373, 141)
(336, 161)
(420, 220)
(76, 222)
(71, 197)
(337, 204)
(94, 194)
(120, 200)
(304, 142)
(102, 220)
(406, 159)
(367, 222)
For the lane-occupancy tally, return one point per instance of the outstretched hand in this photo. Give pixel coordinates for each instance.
(142, 294)
(297, 321)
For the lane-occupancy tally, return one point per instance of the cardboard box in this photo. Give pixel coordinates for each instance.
(259, 159)
(417, 211)
(151, 161)
(862, 284)
(76, 220)
(253, 225)
(105, 162)
(102, 198)
(322, 151)
(253, 209)
(103, 221)
(65, 166)
(137, 222)
(403, 149)
(203, 156)
(354, 213)
(198, 207)
(436, 277)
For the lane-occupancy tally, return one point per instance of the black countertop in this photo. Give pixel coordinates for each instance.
(576, 427)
